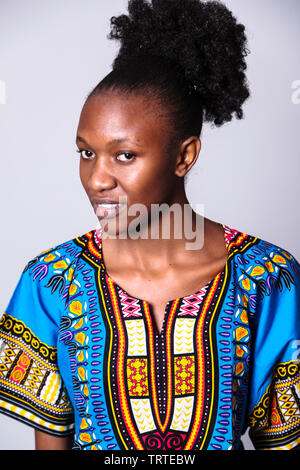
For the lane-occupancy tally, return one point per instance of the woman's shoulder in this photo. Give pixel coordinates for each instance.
(262, 267)
(256, 248)
(43, 290)
(50, 273)
(61, 254)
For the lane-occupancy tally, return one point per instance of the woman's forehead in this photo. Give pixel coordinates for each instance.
(113, 115)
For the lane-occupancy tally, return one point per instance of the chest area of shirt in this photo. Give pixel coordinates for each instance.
(154, 388)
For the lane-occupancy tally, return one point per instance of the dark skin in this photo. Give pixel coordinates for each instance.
(155, 270)
(44, 441)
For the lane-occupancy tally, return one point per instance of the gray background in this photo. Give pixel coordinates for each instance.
(52, 53)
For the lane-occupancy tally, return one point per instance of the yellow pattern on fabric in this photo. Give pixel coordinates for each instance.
(31, 386)
(17, 328)
(184, 368)
(275, 420)
(137, 379)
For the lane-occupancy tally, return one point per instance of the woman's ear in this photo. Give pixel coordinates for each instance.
(187, 156)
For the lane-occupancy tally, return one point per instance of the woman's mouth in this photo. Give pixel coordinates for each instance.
(107, 210)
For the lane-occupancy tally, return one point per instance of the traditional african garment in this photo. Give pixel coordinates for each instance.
(80, 356)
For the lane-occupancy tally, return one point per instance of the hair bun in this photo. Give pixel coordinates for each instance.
(203, 37)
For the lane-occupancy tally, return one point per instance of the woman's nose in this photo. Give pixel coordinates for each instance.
(101, 176)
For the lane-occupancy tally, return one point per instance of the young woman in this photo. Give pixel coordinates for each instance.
(113, 341)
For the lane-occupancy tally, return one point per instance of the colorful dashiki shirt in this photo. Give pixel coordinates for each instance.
(80, 356)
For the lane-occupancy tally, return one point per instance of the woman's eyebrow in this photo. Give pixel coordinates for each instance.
(113, 141)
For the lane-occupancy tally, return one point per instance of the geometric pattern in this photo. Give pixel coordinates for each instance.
(143, 415)
(130, 306)
(190, 304)
(184, 335)
(137, 380)
(275, 420)
(183, 410)
(75, 337)
(184, 375)
(136, 335)
(287, 405)
(32, 383)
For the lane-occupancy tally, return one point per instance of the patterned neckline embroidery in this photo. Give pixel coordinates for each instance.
(157, 371)
(190, 302)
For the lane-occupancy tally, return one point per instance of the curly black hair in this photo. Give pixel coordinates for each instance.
(188, 53)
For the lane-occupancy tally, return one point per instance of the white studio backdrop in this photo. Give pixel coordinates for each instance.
(53, 53)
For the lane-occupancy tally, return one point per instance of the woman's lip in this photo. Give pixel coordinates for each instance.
(107, 210)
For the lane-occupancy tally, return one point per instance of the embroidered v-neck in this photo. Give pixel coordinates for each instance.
(188, 299)
(158, 370)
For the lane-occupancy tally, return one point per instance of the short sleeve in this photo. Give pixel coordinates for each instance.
(31, 386)
(274, 405)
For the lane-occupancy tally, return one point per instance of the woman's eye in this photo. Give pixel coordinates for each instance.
(129, 156)
(123, 157)
(86, 154)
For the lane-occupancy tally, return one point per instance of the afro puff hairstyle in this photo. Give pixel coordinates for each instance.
(190, 54)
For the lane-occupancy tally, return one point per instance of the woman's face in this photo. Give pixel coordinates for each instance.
(123, 144)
